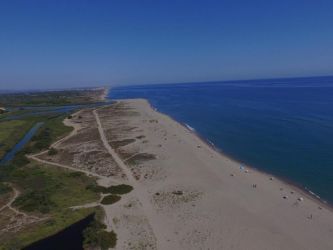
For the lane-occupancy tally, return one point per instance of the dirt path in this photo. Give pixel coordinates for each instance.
(76, 128)
(88, 173)
(11, 201)
(67, 123)
(140, 192)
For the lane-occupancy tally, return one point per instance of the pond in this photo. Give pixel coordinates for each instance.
(69, 238)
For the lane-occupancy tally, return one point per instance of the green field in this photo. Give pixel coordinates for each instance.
(45, 191)
(49, 191)
(12, 131)
(52, 130)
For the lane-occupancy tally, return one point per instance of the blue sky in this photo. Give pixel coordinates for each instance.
(55, 44)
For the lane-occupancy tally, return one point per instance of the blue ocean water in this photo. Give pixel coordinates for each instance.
(280, 126)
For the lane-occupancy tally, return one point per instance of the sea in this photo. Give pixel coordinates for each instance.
(279, 126)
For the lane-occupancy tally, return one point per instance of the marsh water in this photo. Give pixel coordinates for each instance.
(26, 138)
(27, 111)
(70, 238)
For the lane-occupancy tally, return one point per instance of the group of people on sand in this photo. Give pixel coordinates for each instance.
(242, 168)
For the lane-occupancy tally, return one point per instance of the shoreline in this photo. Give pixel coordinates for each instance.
(186, 193)
(103, 96)
(302, 189)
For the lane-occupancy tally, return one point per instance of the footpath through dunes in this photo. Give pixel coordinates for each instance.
(202, 199)
(83, 150)
(86, 150)
(141, 193)
(12, 218)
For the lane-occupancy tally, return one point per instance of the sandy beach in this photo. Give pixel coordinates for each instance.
(186, 195)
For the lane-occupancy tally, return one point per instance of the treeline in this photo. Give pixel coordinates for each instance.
(63, 97)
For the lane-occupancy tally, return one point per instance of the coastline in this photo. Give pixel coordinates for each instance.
(186, 194)
(214, 171)
(302, 189)
(104, 93)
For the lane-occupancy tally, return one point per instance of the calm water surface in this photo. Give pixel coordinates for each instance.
(70, 238)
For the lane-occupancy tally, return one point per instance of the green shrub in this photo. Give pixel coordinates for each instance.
(33, 201)
(119, 189)
(107, 239)
(4, 188)
(20, 159)
(95, 236)
(95, 188)
(52, 151)
(110, 199)
(76, 174)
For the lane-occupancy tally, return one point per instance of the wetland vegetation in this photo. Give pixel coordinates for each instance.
(45, 192)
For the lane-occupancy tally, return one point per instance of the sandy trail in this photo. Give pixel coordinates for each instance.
(140, 192)
(88, 173)
(28, 218)
(10, 202)
(16, 211)
(76, 127)
(103, 180)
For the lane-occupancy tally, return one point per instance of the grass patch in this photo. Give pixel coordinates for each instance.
(4, 188)
(45, 191)
(35, 232)
(52, 151)
(52, 130)
(48, 189)
(118, 189)
(110, 199)
(5, 194)
(33, 201)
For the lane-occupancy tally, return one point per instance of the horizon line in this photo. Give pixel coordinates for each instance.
(8, 91)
